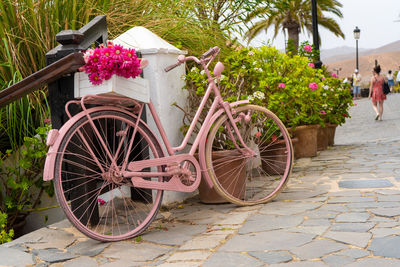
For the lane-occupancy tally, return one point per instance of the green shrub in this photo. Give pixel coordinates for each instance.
(287, 85)
(5, 236)
(20, 172)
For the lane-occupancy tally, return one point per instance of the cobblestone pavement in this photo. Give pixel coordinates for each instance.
(340, 208)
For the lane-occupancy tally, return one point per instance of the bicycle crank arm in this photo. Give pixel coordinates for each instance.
(174, 184)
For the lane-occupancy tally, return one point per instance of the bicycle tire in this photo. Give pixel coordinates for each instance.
(96, 203)
(245, 180)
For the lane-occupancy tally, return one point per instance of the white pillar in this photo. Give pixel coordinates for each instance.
(165, 88)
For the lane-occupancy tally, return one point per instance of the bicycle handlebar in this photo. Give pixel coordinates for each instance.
(172, 66)
(182, 58)
(210, 52)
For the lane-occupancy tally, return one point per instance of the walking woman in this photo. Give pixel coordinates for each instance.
(376, 91)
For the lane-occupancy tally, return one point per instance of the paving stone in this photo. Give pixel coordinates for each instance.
(354, 253)
(288, 208)
(381, 219)
(189, 256)
(387, 212)
(231, 259)
(272, 240)
(14, 257)
(316, 230)
(134, 252)
(261, 222)
(81, 261)
(375, 262)
(300, 264)
(388, 224)
(381, 232)
(317, 249)
(333, 200)
(388, 246)
(88, 248)
(61, 224)
(205, 216)
(234, 218)
(45, 238)
(177, 233)
(357, 239)
(296, 195)
(53, 255)
(203, 242)
(391, 198)
(387, 192)
(353, 217)
(321, 214)
(337, 261)
(365, 184)
(333, 207)
(120, 263)
(42, 264)
(272, 257)
(176, 264)
(352, 227)
(316, 222)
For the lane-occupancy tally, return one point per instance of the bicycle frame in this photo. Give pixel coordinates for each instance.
(217, 108)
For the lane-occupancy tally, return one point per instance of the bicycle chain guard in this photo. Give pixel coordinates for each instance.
(173, 169)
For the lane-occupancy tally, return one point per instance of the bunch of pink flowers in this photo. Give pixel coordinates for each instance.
(103, 62)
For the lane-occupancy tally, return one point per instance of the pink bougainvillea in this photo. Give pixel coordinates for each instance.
(313, 86)
(323, 112)
(282, 85)
(334, 75)
(308, 48)
(311, 65)
(103, 62)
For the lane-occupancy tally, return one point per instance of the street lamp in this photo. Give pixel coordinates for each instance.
(337, 70)
(356, 36)
(318, 64)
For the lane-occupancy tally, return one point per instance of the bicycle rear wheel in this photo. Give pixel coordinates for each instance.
(246, 180)
(95, 198)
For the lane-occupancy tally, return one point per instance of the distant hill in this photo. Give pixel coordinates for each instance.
(339, 53)
(388, 57)
(388, 61)
(346, 52)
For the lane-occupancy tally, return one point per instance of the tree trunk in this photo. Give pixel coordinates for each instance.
(293, 33)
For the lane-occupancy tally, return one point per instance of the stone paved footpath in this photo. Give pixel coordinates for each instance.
(340, 208)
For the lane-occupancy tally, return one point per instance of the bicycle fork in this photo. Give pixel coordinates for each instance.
(248, 152)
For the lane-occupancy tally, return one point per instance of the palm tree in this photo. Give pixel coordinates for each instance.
(293, 17)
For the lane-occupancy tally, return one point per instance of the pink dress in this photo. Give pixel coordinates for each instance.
(377, 90)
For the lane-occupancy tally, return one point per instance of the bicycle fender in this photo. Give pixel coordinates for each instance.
(202, 144)
(55, 136)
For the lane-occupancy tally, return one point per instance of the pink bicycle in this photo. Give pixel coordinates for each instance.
(110, 169)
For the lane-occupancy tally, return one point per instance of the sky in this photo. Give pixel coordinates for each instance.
(375, 18)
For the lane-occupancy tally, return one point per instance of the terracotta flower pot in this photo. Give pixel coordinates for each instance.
(225, 175)
(322, 138)
(331, 129)
(276, 153)
(307, 144)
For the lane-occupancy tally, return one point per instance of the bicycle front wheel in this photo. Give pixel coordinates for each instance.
(244, 179)
(94, 196)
